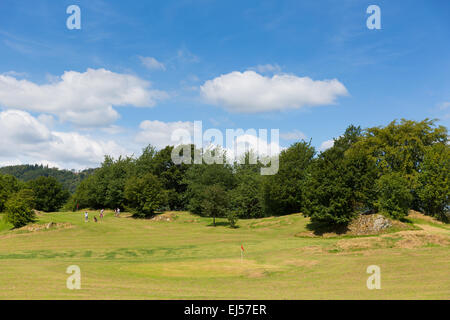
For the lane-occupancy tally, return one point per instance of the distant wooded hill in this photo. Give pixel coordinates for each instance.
(69, 179)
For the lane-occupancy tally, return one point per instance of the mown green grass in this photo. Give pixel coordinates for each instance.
(124, 258)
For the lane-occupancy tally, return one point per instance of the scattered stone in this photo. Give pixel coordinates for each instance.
(364, 224)
(168, 217)
(50, 224)
(369, 224)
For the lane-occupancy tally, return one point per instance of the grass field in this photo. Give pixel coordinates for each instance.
(187, 258)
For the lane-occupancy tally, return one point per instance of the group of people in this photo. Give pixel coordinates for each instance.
(86, 215)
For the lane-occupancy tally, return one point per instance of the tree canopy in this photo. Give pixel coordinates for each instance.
(404, 165)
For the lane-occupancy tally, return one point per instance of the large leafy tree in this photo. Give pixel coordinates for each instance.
(283, 193)
(105, 188)
(49, 194)
(8, 186)
(116, 175)
(434, 181)
(400, 147)
(340, 183)
(145, 195)
(19, 208)
(84, 196)
(200, 176)
(215, 202)
(172, 177)
(394, 196)
(246, 198)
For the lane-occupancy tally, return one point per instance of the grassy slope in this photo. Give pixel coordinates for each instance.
(123, 258)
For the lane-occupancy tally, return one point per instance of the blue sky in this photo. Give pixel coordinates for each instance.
(400, 71)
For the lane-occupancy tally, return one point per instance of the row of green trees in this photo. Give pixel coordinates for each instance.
(18, 199)
(26, 172)
(387, 169)
(382, 169)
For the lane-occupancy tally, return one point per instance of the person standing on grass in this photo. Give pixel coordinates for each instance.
(118, 212)
(86, 216)
(101, 214)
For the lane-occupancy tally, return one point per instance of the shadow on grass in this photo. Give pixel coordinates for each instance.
(140, 216)
(223, 224)
(406, 220)
(319, 228)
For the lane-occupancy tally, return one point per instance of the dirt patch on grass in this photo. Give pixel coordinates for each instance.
(434, 230)
(404, 239)
(32, 228)
(416, 240)
(359, 244)
(167, 217)
(47, 226)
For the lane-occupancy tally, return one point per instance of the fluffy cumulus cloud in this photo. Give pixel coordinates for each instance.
(161, 134)
(25, 139)
(84, 99)
(252, 143)
(29, 139)
(251, 92)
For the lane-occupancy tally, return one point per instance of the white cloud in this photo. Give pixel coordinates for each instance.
(18, 127)
(152, 64)
(85, 99)
(113, 129)
(250, 92)
(250, 142)
(159, 134)
(293, 135)
(46, 120)
(27, 140)
(326, 145)
(11, 162)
